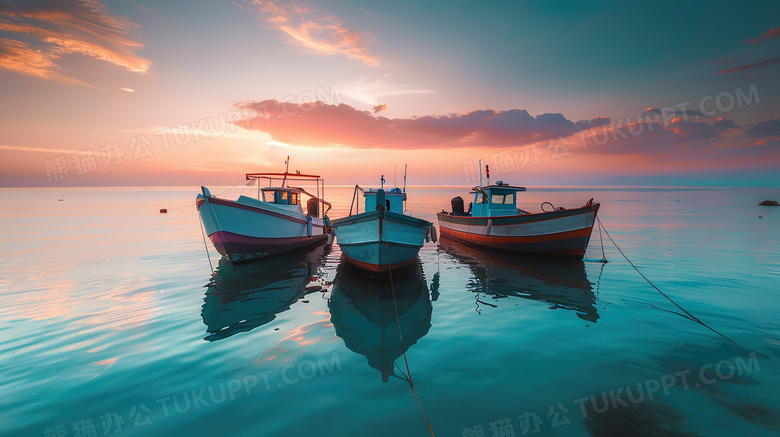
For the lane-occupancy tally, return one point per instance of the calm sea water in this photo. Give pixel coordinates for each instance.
(111, 325)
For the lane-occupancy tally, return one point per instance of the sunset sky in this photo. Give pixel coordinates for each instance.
(547, 93)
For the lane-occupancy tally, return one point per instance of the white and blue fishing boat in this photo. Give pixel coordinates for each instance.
(385, 236)
(249, 229)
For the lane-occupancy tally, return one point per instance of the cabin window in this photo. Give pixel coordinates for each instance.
(502, 198)
(293, 198)
(482, 198)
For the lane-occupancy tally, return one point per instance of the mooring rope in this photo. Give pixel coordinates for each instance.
(692, 317)
(234, 186)
(190, 205)
(203, 234)
(398, 323)
(601, 238)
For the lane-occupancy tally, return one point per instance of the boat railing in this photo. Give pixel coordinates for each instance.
(322, 201)
(287, 177)
(355, 201)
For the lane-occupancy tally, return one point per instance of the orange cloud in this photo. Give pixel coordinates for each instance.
(322, 34)
(43, 32)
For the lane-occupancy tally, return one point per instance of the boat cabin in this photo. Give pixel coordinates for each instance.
(393, 199)
(281, 196)
(495, 200)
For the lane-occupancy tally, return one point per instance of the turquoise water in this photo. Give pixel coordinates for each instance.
(110, 325)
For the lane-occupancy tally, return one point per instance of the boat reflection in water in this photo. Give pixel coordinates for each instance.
(243, 297)
(562, 283)
(361, 310)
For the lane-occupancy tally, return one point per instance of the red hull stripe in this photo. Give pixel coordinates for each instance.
(571, 243)
(377, 268)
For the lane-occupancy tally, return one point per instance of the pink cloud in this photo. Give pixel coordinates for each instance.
(765, 63)
(322, 125)
(772, 33)
(322, 34)
(43, 32)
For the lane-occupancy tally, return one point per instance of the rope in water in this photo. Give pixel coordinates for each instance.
(691, 316)
(398, 323)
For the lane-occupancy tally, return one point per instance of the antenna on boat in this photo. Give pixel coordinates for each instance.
(286, 170)
(480, 172)
(487, 173)
(395, 175)
(383, 182)
(405, 166)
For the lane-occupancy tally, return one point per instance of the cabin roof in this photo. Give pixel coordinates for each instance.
(497, 185)
(275, 176)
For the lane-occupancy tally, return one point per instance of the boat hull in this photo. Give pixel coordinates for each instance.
(378, 245)
(244, 233)
(559, 233)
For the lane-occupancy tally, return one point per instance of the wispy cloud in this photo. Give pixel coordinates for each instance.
(129, 90)
(765, 128)
(766, 63)
(374, 93)
(772, 33)
(42, 32)
(322, 33)
(35, 149)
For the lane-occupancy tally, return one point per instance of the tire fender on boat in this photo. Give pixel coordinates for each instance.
(434, 237)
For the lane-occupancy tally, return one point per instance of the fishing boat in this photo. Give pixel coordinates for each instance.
(494, 221)
(249, 229)
(385, 236)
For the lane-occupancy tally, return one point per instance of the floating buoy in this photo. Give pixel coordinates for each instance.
(163, 211)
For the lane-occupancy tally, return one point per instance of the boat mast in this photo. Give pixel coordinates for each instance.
(405, 166)
(285, 171)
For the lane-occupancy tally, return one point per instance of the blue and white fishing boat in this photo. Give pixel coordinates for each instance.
(249, 229)
(385, 236)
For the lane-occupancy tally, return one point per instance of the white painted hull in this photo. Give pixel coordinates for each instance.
(379, 245)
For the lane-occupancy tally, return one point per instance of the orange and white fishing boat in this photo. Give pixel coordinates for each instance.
(494, 221)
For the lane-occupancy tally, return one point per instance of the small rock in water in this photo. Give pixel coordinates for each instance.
(769, 203)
